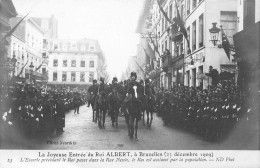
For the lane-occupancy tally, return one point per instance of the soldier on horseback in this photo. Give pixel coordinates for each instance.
(102, 104)
(133, 104)
(115, 99)
(93, 91)
(149, 101)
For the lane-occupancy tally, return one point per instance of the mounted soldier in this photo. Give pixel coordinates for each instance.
(133, 104)
(115, 100)
(102, 104)
(93, 91)
(149, 101)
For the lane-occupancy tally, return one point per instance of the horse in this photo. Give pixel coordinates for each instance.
(92, 102)
(114, 101)
(149, 108)
(133, 107)
(102, 106)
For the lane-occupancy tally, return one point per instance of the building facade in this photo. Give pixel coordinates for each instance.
(7, 11)
(75, 63)
(178, 62)
(247, 47)
(199, 18)
(49, 26)
(26, 47)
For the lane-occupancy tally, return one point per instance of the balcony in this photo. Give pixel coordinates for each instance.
(175, 33)
(166, 60)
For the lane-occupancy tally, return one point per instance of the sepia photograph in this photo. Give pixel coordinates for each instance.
(129, 75)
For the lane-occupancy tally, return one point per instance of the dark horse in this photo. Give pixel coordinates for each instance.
(93, 103)
(133, 108)
(114, 101)
(102, 106)
(149, 108)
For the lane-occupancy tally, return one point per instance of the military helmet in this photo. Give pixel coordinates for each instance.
(147, 81)
(114, 79)
(133, 74)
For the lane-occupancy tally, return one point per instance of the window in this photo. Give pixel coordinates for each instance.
(249, 13)
(44, 55)
(64, 76)
(55, 46)
(165, 43)
(73, 63)
(91, 64)
(194, 77)
(228, 20)
(166, 22)
(82, 63)
(64, 47)
(55, 63)
(201, 42)
(73, 76)
(194, 3)
(188, 78)
(55, 76)
(82, 76)
(181, 48)
(91, 76)
(74, 46)
(188, 7)
(188, 34)
(182, 12)
(194, 36)
(170, 12)
(162, 24)
(65, 63)
(92, 47)
(44, 70)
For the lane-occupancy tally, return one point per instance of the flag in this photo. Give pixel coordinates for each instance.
(152, 65)
(150, 51)
(147, 56)
(155, 46)
(179, 21)
(163, 12)
(139, 66)
(14, 28)
(225, 43)
(23, 68)
(38, 67)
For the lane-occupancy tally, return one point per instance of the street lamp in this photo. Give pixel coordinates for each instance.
(31, 70)
(214, 33)
(14, 60)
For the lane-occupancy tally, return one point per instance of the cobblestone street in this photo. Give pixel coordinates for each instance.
(81, 133)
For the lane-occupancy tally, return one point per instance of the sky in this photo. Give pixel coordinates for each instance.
(111, 22)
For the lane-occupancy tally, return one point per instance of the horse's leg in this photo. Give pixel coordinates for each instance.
(104, 117)
(112, 115)
(131, 124)
(136, 127)
(116, 117)
(127, 120)
(151, 120)
(147, 114)
(143, 114)
(93, 112)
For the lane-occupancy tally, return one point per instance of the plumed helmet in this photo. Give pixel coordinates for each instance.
(114, 79)
(133, 74)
